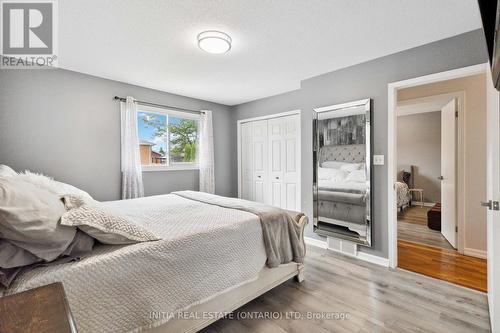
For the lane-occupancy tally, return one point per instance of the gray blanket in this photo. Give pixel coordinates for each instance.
(282, 231)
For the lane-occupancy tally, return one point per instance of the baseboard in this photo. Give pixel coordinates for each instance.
(426, 204)
(359, 255)
(475, 253)
(373, 259)
(315, 242)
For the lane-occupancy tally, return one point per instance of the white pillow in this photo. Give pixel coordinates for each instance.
(332, 164)
(358, 176)
(51, 185)
(106, 225)
(335, 175)
(349, 167)
(6, 171)
(29, 219)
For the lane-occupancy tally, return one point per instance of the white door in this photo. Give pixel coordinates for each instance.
(284, 162)
(276, 168)
(448, 172)
(291, 163)
(246, 161)
(260, 161)
(493, 193)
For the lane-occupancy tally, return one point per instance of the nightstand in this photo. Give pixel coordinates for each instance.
(41, 310)
(421, 191)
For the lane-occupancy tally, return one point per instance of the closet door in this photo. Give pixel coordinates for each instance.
(246, 161)
(291, 163)
(284, 162)
(260, 161)
(276, 167)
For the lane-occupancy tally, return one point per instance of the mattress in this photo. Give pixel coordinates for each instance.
(205, 250)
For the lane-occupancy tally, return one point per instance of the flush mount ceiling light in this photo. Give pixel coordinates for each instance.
(216, 42)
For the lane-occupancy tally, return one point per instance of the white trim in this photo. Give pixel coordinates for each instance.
(359, 255)
(391, 147)
(150, 168)
(316, 242)
(373, 259)
(271, 116)
(475, 253)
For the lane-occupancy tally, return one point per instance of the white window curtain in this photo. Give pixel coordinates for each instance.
(132, 186)
(206, 155)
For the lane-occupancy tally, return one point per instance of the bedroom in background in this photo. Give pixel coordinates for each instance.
(441, 177)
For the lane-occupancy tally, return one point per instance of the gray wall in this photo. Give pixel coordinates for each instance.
(66, 125)
(366, 80)
(419, 144)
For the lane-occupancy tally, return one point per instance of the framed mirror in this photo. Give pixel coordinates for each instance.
(342, 171)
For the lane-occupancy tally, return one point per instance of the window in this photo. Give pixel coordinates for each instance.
(168, 140)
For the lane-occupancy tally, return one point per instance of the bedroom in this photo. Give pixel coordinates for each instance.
(240, 124)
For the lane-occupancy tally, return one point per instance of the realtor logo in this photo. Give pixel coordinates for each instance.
(28, 33)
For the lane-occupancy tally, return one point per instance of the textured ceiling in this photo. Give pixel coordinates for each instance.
(276, 44)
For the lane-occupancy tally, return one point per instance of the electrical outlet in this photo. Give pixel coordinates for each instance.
(378, 159)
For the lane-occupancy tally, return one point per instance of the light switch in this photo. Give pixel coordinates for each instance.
(378, 159)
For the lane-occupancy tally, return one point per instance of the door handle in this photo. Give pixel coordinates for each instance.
(277, 177)
(492, 205)
(259, 176)
(440, 177)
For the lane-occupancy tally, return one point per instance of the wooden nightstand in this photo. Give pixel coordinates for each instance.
(41, 310)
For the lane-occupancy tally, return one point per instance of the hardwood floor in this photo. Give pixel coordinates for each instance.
(412, 227)
(375, 298)
(448, 265)
(425, 251)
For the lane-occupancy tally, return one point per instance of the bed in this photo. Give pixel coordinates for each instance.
(402, 187)
(210, 260)
(343, 188)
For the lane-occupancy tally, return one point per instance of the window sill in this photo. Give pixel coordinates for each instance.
(150, 168)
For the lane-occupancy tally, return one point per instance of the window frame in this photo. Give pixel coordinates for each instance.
(178, 114)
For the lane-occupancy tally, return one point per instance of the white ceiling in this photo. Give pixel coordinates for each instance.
(276, 43)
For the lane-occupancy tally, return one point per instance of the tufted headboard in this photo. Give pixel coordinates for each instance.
(343, 153)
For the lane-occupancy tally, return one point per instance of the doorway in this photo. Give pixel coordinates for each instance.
(438, 166)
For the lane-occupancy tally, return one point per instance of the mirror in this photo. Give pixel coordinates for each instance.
(342, 171)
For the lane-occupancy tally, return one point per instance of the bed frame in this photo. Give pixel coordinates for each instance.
(233, 298)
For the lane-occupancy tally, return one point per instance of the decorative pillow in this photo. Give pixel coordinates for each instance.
(50, 184)
(358, 176)
(6, 171)
(104, 224)
(349, 167)
(29, 218)
(335, 175)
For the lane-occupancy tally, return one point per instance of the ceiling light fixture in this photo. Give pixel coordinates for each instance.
(216, 42)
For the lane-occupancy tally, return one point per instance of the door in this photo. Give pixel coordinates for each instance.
(260, 161)
(448, 172)
(291, 163)
(284, 162)
(276, 168)
(493, 195)
(246, 161)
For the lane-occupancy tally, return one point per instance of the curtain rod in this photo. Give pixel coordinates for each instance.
(123, 99)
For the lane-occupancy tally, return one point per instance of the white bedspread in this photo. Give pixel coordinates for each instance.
(342, 186)
(204, 250)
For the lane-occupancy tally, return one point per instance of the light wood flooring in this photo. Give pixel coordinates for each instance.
(412, 227)
(425, 251)
(376, 299)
